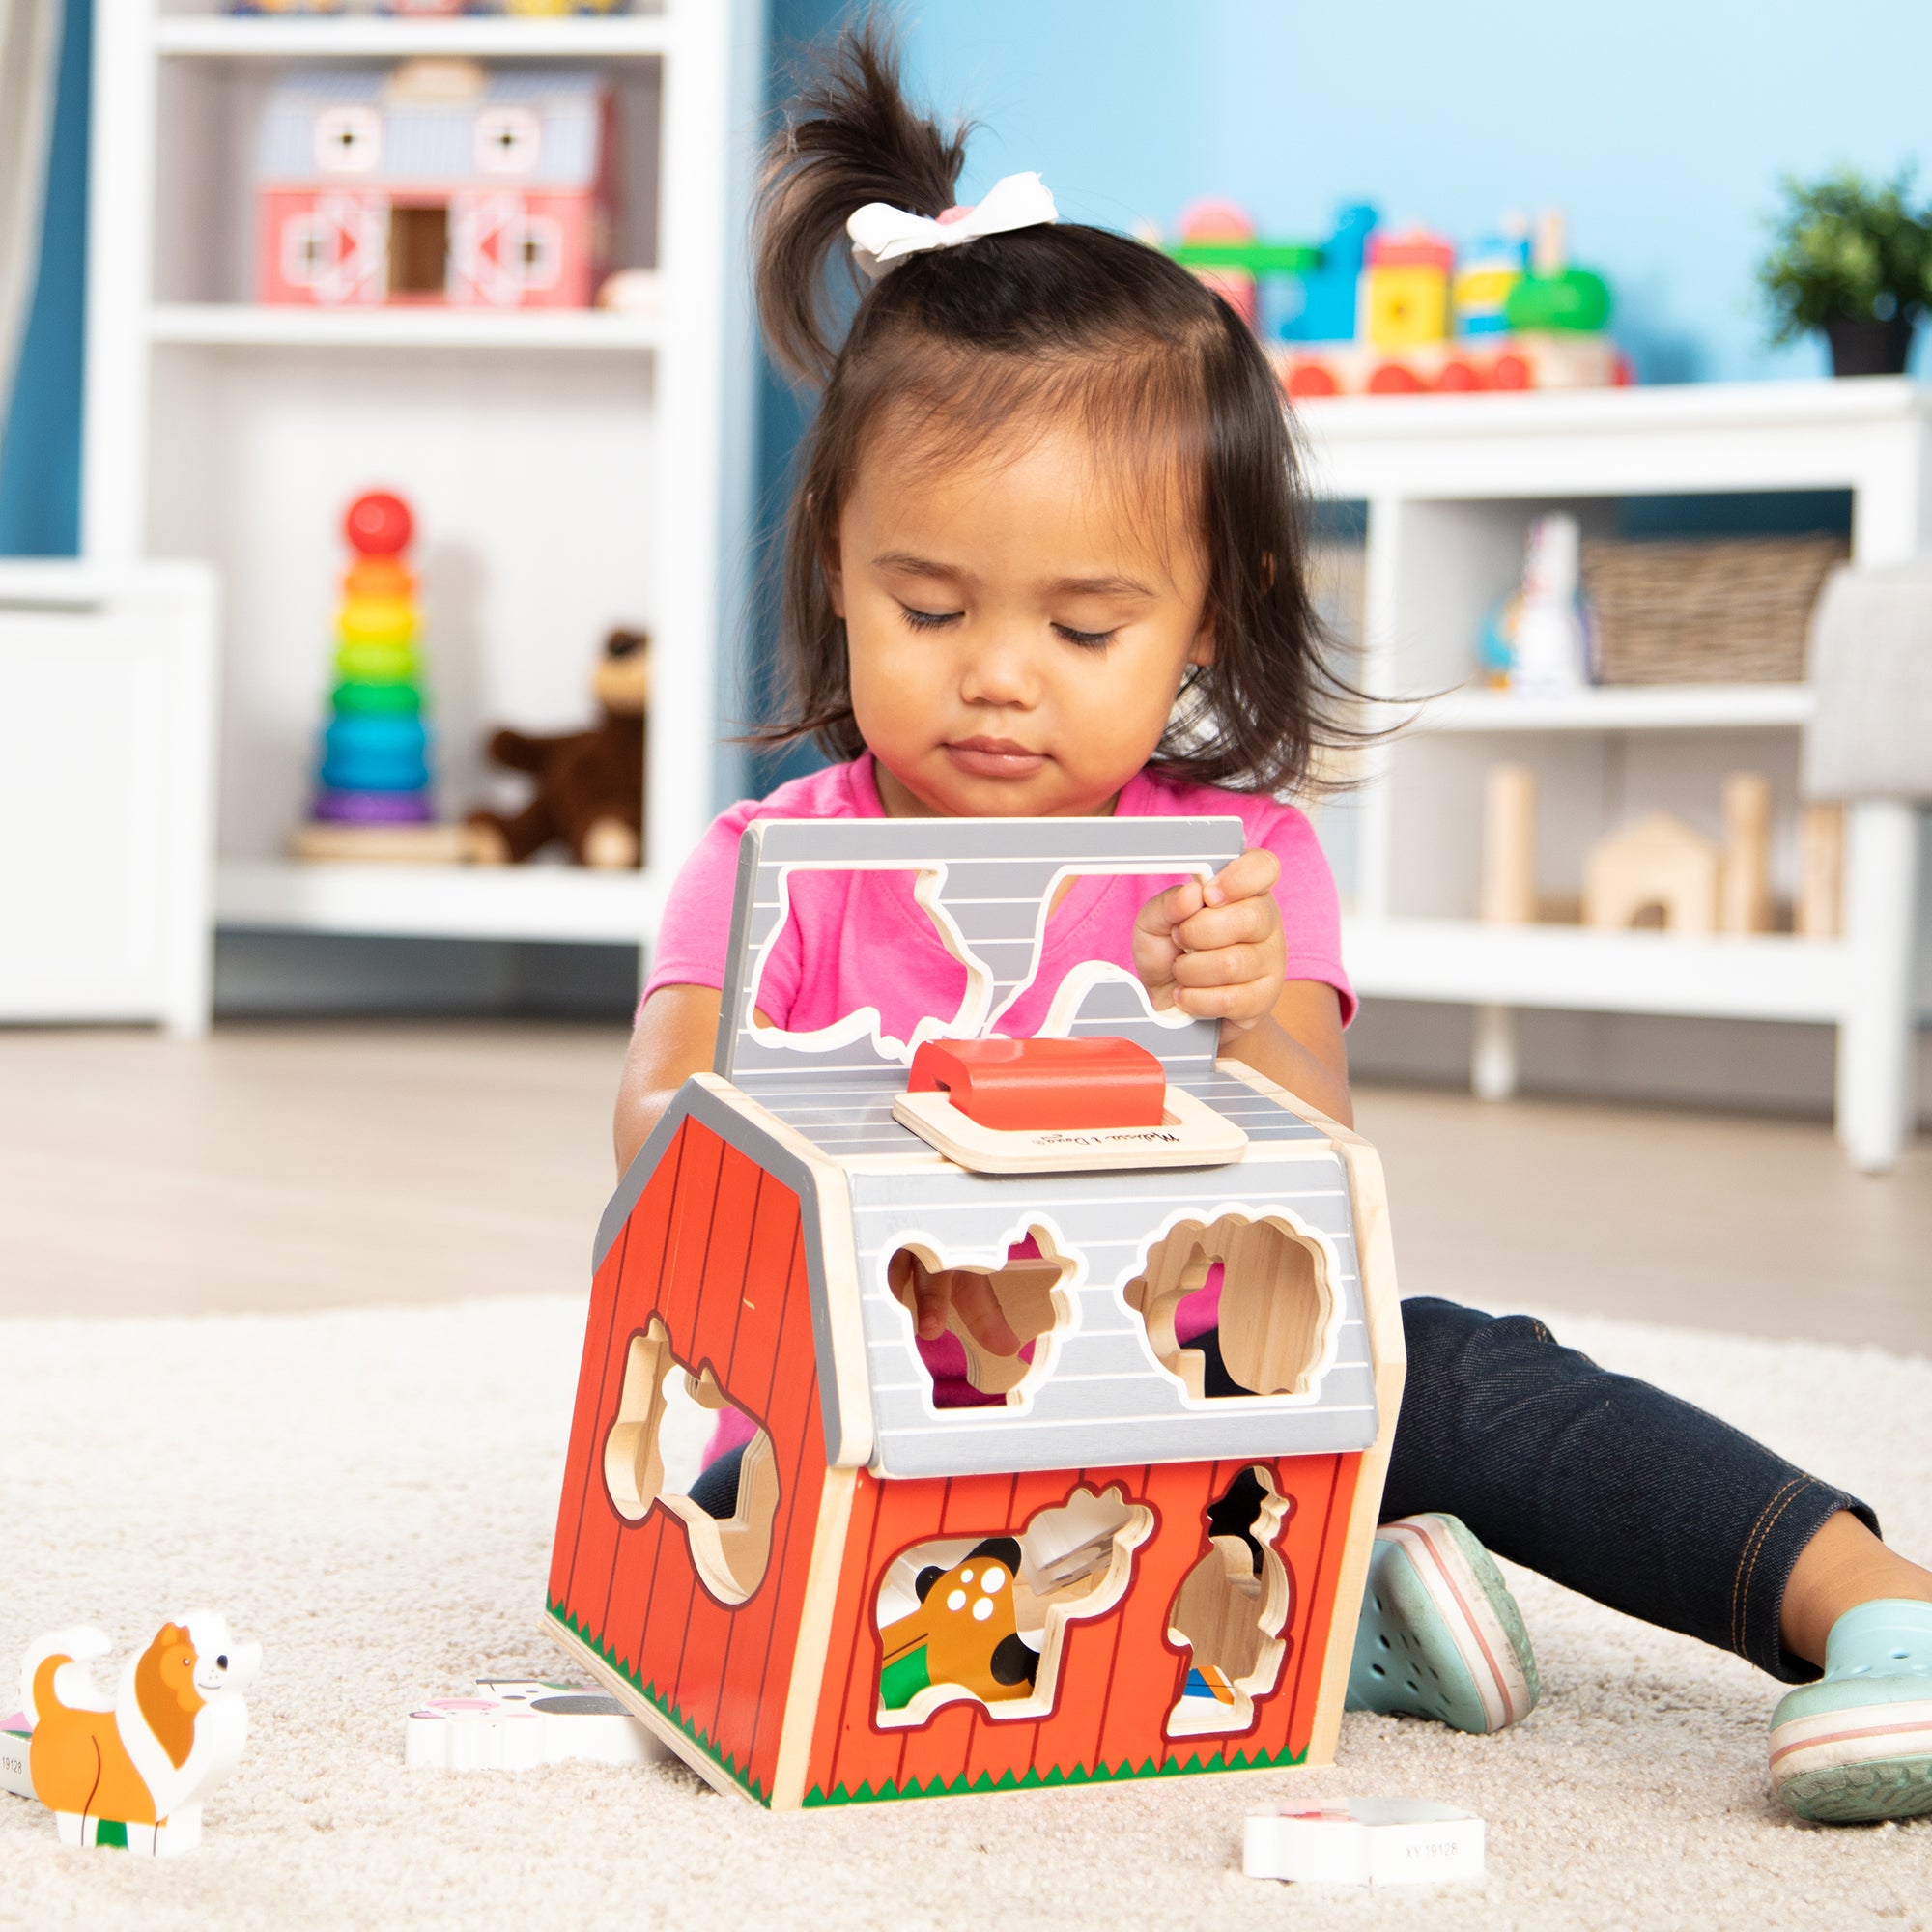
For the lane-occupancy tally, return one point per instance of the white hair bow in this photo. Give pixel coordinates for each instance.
(883, 235)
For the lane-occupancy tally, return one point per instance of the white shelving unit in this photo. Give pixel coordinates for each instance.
(569, 471)
(1450, 486)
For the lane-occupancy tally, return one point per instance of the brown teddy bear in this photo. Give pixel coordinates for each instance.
(590, 784)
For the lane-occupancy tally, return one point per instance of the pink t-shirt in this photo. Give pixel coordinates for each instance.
(859, 939)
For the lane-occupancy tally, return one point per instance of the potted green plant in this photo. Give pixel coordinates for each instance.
(1852, 258)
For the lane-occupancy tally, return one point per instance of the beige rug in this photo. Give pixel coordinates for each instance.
(370, 1493)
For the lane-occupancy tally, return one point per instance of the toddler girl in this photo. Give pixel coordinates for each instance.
(1044, 558)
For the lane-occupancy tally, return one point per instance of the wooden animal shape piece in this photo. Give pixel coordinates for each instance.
(963, 1633)
(1230, 1610)
(131, 1773)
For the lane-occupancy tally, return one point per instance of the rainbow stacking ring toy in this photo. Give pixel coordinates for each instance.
(374, 749)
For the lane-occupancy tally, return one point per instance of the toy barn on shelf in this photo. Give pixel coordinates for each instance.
(442, 182)
(1105, 1565)
(1375, 312)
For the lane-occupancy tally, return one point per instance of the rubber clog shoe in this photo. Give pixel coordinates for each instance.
(1856, 1747)
(1440, 1635)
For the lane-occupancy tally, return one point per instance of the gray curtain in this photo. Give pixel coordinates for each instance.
(30, 32)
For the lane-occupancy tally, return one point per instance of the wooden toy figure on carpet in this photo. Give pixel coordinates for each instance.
(590, 784)
(132, 1771)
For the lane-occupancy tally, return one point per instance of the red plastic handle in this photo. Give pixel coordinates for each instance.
(1101, 1081)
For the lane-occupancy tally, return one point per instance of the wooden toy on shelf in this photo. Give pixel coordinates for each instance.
(1406, 289)
(1821, 871)
(589, 785)
(372, 798)
(1508, 889)
(130, 1772)
(442, 181)
(515, 1723)
(1097, 1571)
(1744, 869)
(1660, 865)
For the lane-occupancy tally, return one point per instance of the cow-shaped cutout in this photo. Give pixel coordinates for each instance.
(994, 972)
(985, 1618)
(1229, 1611)
(1279, 1313)
(1028, 1291)
(730, 1554)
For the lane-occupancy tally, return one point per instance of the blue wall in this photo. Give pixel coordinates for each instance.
(1659, 126)
(40, 451)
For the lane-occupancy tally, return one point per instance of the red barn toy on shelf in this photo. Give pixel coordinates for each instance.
(442, 182)
(1098, 1568)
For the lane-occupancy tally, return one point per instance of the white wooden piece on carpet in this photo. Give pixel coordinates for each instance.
(515, 1723)
(1365, 1841)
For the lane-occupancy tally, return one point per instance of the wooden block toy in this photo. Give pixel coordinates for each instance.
(1821, 870)
(1659, 865)
(515, 1723)
(1743, 868)
(440, 183)
(130, 1772)
(1508, 888)
(1099, 1569)
(1365, 1841)
(1406, 289)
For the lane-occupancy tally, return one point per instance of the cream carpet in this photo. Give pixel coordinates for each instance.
(370, 1493)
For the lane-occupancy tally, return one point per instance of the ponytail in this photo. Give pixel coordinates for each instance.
(850, 139)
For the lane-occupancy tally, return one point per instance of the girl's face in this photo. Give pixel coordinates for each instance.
(1017, 629)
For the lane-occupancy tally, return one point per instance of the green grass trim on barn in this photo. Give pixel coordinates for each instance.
(1037, 1780)
(662, 1705)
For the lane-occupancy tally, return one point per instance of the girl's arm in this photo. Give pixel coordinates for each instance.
(675, 1037)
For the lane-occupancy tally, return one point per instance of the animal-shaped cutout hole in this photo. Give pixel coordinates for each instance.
(1239, 1307)
(650, 1458)
(881, 930)
(1230, 1610)
(983, 1618)
(1001, 1322)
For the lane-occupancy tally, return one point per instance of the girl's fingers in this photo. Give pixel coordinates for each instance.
(1243, 1002)
(1245, 920)
(1255, 871)
(1226, 966)
(1167, 910)
(980, 1316)
(931, 1294)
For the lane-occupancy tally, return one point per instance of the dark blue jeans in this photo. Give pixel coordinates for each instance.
(1602, 1481)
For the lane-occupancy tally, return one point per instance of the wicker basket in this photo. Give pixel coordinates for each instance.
(1718, 611)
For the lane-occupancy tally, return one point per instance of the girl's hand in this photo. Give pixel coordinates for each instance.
(960, 1289)
(1217, 949)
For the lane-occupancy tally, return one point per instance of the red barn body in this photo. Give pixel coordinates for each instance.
(1094, 1568)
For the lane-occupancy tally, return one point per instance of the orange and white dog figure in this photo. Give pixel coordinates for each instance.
(133, 1772)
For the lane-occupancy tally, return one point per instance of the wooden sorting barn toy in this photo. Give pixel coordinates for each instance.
(1105, 1565)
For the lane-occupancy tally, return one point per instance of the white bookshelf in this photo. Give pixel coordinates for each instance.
(1450, 486)
(569, 471)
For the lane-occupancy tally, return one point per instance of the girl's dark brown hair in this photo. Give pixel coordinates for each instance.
(1010, 332)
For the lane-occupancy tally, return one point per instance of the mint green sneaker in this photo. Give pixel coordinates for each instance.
(1857, 1746)
(1440, 1635)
